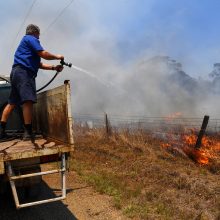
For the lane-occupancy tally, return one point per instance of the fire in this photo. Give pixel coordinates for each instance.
(210, 148)
(189, 139)
(197, 155)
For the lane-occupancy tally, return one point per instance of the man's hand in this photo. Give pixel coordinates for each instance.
(58, 68)
(45, 66)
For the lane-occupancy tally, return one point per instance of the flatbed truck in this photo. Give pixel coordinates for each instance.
(20, 161)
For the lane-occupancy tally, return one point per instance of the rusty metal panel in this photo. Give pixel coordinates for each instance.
(52, 114)
(2, 167)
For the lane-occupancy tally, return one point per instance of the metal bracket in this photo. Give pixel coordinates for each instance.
(13, 177)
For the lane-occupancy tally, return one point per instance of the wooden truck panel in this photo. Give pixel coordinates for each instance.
(53, 119)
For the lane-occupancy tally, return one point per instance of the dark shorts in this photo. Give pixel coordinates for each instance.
(23, 86)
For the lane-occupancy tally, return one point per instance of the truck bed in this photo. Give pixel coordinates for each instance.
(18, 149)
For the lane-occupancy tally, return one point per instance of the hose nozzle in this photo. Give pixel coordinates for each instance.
(63, 63)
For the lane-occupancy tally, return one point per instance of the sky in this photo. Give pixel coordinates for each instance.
(184, 30)
(109, 37)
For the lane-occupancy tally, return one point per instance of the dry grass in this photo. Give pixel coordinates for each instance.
(146, 180)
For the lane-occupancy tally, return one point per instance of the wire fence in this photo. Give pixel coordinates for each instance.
(154, 125)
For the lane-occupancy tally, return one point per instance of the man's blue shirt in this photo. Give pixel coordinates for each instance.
(26, 53)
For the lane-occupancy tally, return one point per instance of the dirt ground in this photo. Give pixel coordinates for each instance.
(82, 203)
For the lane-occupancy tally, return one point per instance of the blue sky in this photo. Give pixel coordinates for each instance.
(120, 31)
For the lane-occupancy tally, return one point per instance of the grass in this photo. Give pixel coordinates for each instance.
(145, 180)
(134, 210)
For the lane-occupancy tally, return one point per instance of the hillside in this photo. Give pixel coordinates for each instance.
(146, 180)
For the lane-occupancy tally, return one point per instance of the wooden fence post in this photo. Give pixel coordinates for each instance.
(107, 125)
(202, 131)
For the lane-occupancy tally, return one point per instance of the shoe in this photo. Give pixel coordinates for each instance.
(2, 130)
(4, 136)
(27, 136)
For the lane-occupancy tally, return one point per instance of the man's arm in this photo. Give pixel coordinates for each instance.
(44, 66)
(48, 56)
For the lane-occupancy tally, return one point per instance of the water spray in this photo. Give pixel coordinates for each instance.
(91, 75)
(97, 78)
(70, 65)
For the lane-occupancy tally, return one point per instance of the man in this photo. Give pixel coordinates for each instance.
(27, 61)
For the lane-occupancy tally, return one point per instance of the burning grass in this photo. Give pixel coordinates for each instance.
(146, 178)
(208, 153)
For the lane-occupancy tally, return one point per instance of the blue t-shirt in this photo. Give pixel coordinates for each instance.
(26, 53)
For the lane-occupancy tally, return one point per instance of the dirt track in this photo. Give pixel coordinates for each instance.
(82, 203)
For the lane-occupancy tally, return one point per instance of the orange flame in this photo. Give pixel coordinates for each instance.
(197, 155)
(189, 139)
(210, 147)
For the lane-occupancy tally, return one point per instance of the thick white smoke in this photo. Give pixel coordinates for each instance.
(139, 87)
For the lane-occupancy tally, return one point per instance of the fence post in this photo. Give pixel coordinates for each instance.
(202, 131)
(107, 125)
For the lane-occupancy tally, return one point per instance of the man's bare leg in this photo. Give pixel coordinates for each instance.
(27, 113)
(5, 114)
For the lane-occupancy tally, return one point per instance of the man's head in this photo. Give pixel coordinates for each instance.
(33, 29)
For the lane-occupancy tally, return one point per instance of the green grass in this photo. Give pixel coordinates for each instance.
(133, 210)
(103, 183)
(164, 210)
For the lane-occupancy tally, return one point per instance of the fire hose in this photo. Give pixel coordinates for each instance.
(63, 63)
(6, 79)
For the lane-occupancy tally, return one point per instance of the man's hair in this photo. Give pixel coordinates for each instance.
(32, 29)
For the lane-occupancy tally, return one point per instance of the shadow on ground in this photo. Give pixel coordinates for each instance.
(51, 211)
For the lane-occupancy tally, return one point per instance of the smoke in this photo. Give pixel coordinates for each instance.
(120, 75)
